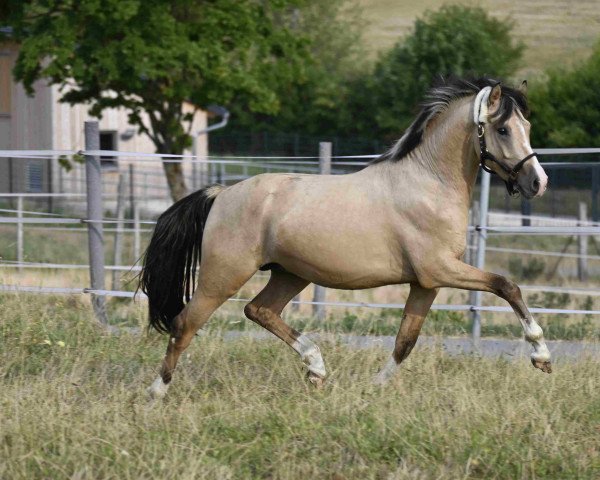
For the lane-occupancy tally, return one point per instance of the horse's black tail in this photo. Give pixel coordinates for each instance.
(169, 266)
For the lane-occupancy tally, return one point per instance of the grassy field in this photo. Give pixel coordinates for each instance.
(555, 32)
(73, 406)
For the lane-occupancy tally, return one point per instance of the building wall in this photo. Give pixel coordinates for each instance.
(25, 123)
(150, 180)
(41, 122)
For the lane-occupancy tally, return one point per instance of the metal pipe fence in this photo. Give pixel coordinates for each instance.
(324, 163)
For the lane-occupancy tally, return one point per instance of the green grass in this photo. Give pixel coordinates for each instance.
(441, 323)
(242, 409)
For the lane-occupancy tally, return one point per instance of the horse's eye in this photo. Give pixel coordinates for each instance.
(503, 131)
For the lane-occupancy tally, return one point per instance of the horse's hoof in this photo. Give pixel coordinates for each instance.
(315, 379)
(544, 366)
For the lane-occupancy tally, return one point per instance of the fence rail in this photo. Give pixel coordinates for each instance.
(325, 163)
(395, 306)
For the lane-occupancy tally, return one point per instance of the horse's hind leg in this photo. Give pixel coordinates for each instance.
(214, 288)
(417, 305)
(266, 310)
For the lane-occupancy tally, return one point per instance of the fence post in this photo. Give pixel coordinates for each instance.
(136, 232)
(118, 247)
(20, 233)
(473, 218)
(582, 242)
(324, 169)
(525, 212)
(132, 187)
(93, 176)
(595, 188)
(195, 179)
(480, 258)
(146, 188)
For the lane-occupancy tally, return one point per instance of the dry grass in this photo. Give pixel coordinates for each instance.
(555, 32)
(243, 410)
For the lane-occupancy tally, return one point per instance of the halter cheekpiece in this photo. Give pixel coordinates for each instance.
(480, 118)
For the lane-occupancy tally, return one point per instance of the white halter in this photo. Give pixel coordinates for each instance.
(480, 109)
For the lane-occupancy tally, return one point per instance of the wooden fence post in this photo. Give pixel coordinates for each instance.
(324, 169)
(582, 243)
(93, 176)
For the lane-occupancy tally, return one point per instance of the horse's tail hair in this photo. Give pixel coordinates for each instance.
(170, 261)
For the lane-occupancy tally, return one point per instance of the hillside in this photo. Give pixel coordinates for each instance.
(555, 32)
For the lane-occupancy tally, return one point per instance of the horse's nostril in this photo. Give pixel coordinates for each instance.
(536, 185)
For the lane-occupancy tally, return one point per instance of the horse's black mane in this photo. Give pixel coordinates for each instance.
(437, 99)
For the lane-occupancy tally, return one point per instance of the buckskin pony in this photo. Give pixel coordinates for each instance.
(402, 219)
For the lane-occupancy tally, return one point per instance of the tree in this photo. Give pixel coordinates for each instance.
(150, 56)
(313, 101)
(455, 39)
(565, 110)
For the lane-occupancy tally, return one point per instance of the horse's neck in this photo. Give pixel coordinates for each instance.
(447, 151)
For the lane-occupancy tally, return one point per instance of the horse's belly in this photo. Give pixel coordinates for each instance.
(343, 262)
(350, 280)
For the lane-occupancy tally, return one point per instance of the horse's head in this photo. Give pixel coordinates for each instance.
(503, 140)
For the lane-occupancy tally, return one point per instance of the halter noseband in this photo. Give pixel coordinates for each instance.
(480, 117)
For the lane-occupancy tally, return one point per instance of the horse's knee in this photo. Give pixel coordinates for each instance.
(259, 314)
(507, 289)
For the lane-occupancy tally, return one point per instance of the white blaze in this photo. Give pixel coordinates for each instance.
(541, 174)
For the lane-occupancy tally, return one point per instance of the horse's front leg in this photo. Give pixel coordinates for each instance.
(417, 305)
(456, 274)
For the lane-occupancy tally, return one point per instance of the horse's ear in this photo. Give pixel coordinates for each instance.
(494, 100)
(523, 87)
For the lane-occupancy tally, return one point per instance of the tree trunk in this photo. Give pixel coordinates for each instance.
(174, 174)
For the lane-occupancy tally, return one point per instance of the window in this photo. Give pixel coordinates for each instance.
(35, 176)
(108, 141)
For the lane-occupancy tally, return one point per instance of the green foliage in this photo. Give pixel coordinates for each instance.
(341, 93)
(529, 270)
(454, 40)
(566, 108)
(312, 102)
(152, 56)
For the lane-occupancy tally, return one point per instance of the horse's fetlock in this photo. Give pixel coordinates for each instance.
(534, 333)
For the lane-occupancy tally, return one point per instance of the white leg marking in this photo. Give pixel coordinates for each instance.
(386, 372)
(535, 335)
(310, 354)
(158, 389)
